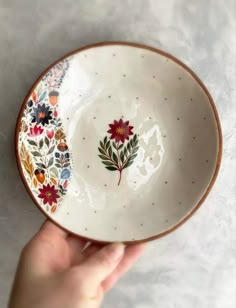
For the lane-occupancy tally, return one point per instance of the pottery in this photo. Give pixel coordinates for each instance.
(118, 142)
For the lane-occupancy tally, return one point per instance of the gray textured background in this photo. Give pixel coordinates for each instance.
(195, 266)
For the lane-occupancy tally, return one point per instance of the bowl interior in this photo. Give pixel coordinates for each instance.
(134, 143)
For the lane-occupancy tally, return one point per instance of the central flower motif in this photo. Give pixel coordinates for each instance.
(41, 114)
(48, 194)
(120, 130)
(119, 154)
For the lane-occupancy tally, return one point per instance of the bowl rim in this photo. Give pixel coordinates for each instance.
(160, 52)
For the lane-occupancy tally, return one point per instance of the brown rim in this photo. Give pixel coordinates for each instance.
(137, 45)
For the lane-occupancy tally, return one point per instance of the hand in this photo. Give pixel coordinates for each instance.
(55, 272)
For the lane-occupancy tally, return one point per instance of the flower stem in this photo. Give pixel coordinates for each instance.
(120, 171)
(118, 153)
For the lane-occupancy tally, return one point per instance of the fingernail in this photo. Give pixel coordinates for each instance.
(116, 251)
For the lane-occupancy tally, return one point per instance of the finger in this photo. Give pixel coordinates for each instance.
(132, 253)
(76, 245)
(91, 249)
(100, 265)
(49, 227)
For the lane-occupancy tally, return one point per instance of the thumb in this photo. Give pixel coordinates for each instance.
(100, 265)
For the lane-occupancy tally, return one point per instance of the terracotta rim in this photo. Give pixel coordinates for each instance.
(184, 66)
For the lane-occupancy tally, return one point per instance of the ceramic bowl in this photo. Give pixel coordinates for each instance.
(118, 142)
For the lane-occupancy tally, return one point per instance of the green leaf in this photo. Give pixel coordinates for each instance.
(120, 146)
(135, 150)
(110, 151)
(58, 165)
(37, 154)
(101, 151)
(108, 144)
(46, 141)
(133, 156)
(135, 138)
(31, 142)
(128, 164)
(107, 163)
(39, 88)
(42, 96)
(51, 149)
(125, 151)
(105, 140)
(122, 156)
(115, 158)
(129, 147)
(114, 145)
(101, 145)
(41, 143)
(53, 172)
(40, 165)
(66, 165)
(62, 190)
(135, 143)
(111, 168)
(50, 162)
(103, 157)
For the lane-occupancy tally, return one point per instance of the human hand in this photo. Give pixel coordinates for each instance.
(55, 272)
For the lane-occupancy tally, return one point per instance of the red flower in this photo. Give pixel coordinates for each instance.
(48, 194)
(35, 131)
(120, 130)
(50, 133)
(55, 113)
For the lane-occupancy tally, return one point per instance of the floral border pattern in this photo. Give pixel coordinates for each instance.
(43, 151)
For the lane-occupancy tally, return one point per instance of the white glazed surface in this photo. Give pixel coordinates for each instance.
(193, 267)
(178, 143)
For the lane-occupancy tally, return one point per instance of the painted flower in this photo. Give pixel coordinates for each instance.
(35, 131)
(120, 130)
(48, 194)
(50, 133)
(65, 184)
(41, 114)
(55, 113)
